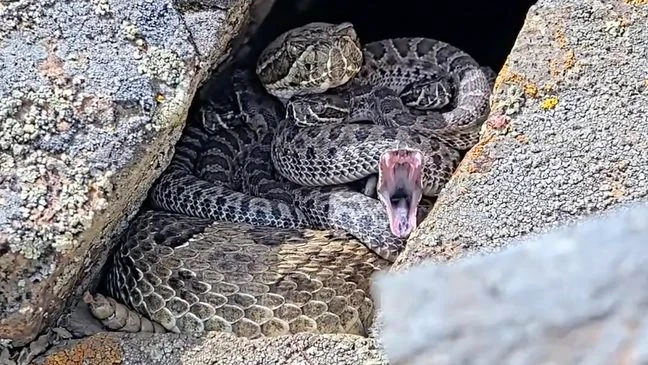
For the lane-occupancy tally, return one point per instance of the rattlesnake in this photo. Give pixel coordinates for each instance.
(403, 82)
(187, 272)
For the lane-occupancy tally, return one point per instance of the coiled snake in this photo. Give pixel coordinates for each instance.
(229, 244)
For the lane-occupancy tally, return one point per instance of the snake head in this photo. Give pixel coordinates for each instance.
(310, 59)
(400, 188)
(317, 109)
(433, 92)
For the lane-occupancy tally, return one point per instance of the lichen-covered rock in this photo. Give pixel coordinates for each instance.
(93, 96)
(575, 296)
(217, 348)
(565, 140)
(567, 135)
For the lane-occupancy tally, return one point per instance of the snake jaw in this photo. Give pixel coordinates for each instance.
(400, 188)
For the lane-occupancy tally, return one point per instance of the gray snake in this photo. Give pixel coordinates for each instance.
(220, 180)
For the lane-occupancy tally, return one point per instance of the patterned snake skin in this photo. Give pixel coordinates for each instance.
(405, 87)
(232, 247)
(199, 181)
(193, 274)
(320, 145)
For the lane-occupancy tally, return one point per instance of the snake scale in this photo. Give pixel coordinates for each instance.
(244, 231)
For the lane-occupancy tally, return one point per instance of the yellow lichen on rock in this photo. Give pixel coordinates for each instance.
(636, 2)
(549, 103)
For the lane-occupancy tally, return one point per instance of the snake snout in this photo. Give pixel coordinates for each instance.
(400, 188)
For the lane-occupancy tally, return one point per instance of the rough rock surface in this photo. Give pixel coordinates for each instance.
(93, 95)
(567, 136)
(217, 348)
(575, 296)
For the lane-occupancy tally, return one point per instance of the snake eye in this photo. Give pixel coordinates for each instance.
(317, 108)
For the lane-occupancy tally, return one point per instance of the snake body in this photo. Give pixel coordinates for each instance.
(316, 150)
(224, 174)
(228, 245)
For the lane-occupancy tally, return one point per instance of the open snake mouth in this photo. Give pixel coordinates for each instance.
(400, 188)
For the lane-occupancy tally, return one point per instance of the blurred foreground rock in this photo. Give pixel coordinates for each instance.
(576, 296)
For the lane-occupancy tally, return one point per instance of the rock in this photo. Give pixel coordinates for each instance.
(566, 138)
(565, 141)
(576, 295)
(93, 95)
(217, 348)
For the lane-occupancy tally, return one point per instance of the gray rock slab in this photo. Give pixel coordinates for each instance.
(574, 296)
(93, 96)
(567, 135)
(219, 348)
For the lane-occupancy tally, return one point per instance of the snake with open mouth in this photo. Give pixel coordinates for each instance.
(229, 244)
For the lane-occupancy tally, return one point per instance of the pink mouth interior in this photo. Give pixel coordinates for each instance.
(400, 188)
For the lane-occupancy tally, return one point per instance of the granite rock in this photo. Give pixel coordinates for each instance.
(93, 96)
(565, 141)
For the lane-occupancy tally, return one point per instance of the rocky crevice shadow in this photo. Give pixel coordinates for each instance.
(93, 97)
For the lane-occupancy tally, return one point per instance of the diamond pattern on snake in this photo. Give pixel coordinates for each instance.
(243, 235)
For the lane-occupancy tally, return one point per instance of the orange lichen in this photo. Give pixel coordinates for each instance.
(531, 90)
(636, 2)
(522, 138)
(476, 151)
(554, 68)
(615, 179)
(561, 38)
(507, 77)
(475, 159)
(569, 60)
(471, 169)
(559, 66)
(99, 349)
(618, 190)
